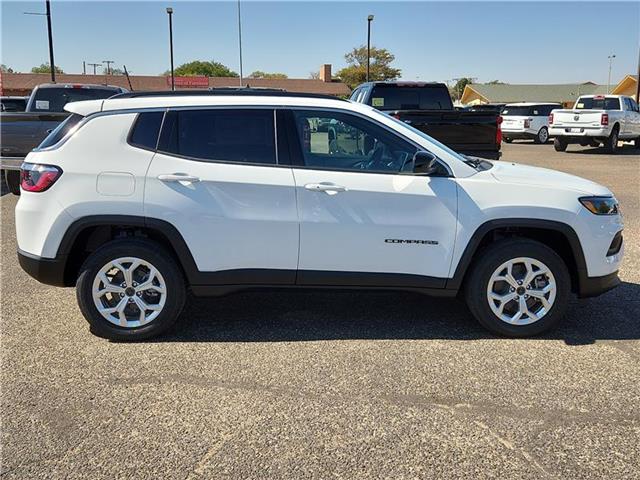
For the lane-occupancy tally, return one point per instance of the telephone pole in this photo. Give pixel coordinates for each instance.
(108, 62)
(94, 65)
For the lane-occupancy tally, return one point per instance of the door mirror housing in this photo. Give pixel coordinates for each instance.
(425, 163)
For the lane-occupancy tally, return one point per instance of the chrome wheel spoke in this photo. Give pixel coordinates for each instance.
(108, 286)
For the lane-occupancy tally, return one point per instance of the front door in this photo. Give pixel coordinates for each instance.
(216, 178)
(365, 219)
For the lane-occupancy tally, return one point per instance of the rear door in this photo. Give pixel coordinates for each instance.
(365, 219)
(217, 179)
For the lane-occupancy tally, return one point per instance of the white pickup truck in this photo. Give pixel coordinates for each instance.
(596, 120)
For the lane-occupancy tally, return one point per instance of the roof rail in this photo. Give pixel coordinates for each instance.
(242, 92)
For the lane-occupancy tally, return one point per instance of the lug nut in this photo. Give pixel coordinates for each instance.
(135, 284)
(139, 294)
(519, 282)
(121, 295)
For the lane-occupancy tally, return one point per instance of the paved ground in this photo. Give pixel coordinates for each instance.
(318, 385)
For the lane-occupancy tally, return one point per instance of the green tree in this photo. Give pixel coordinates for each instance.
(315, 75)
(203, 68)
(45, 68)
(114, 71)
(496, 82)
(380, 66)
(458, 88)
(5, 69)
(261, 74)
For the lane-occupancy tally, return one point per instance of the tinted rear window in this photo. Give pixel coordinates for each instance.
(239, 135)
(601, 103)
(61, 130)
(411, 98)
(13, 104)
(146, 129)
(54, 99)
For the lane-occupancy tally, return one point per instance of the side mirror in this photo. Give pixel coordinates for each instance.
(425, 163)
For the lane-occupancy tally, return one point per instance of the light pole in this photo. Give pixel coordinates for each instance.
(610, 57)
(48, 15)
(369, 20)
(170, 13)
(240, 40)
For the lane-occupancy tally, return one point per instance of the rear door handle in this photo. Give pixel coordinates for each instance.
(329, 188)
(178, 177)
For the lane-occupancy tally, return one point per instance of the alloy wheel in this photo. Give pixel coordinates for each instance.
(129, 292)
(521, 291)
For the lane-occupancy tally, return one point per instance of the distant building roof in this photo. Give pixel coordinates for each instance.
(530, 93)
(627, 86)
(22, 83)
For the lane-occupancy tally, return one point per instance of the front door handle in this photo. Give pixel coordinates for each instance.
(178, 177)
(329, 188)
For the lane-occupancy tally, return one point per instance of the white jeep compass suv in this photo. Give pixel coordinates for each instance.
(137, 198)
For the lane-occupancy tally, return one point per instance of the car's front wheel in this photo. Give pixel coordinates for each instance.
(518, 288)
(130, 289)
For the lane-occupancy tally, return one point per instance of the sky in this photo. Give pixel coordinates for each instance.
(514, 42)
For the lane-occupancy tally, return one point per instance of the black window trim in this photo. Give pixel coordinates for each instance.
(224, 162)
(133, 127)
(296, 150)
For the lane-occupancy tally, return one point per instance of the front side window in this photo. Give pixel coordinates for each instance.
(338, 141)
(238, 135)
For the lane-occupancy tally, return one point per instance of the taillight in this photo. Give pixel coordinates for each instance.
(527, 122)
(604, 119)
(551, 119)
(35, 177)
(499, 132)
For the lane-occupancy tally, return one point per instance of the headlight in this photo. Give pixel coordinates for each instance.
(600, 205)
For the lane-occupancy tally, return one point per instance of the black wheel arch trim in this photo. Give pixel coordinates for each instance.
(567, 231)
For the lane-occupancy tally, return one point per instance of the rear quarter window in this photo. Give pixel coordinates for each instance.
(145, 130)
(61, 131)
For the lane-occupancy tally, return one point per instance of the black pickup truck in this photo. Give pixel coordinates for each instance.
(21, 132)
(428, 107)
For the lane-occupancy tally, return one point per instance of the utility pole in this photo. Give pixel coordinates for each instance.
(108, 62)
(240, 40)
(173, 79)
(94, 65)
(638, 80)
(50, 35)
(610, 57)
(84, 67)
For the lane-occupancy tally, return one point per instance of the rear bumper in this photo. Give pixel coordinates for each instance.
(594, 286)
(576, 133)
(46, 270)
(11, 163)
(517, 134)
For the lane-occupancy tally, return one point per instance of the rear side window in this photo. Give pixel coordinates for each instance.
(146, 129)
(238, 135)
(392, 97)
(61, 131)
(598, 103)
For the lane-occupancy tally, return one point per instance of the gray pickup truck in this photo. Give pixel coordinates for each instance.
(23, 131)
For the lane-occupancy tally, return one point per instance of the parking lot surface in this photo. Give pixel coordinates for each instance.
(327, 384)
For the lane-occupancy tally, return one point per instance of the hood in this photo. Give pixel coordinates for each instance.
(515, 173)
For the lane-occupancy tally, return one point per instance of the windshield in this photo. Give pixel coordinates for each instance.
(54, 99)
(598, 103)
(432, 140)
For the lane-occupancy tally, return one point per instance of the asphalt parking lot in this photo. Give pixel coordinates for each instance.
(328, 384)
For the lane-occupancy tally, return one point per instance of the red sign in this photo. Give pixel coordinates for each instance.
(190, 82)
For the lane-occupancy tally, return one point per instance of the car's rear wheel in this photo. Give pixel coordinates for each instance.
(636, 143)
(559, 144)
(12, 178)
(130, 289)
(611, 144)
(542, 136)
(518, 288)
(508, 139)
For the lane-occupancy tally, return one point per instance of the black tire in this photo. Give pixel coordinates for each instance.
(491, 258)
(146, 250)
(559, 145)
(542, 136)
(636, 143)
(12, 178)
(611, 144)
(508, 139)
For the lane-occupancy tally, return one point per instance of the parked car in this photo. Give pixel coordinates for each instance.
(596, 120)
(22, 131)
(492, 107)
(429, 108)
(13, 104)
(147, 195)
(527, 120)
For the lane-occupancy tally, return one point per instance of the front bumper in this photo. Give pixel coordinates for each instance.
(594, 286)
(46, 270)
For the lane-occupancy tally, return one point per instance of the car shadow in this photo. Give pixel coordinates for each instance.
(4, 189)
(311, 315)
(624, 150)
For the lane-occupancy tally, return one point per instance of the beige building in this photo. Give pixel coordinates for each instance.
(627, 86)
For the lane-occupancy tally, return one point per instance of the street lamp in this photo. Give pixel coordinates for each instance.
(170, 13)
(369, 20)
(48, 15)
(610, 57)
